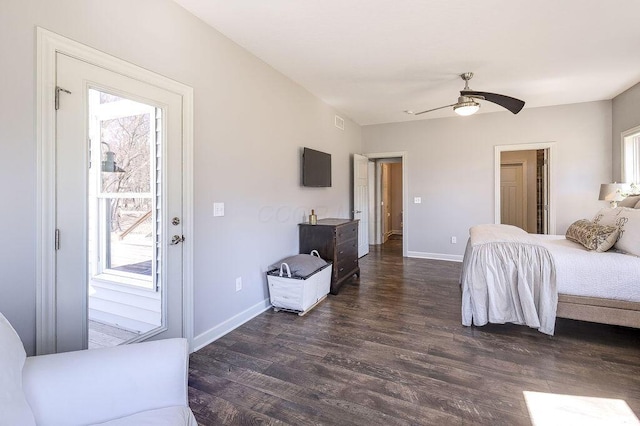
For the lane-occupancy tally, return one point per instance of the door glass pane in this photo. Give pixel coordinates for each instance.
(126, 144)
(124, 195)
(131, 236)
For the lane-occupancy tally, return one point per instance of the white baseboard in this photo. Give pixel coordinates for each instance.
(435, 256)
(232, 323)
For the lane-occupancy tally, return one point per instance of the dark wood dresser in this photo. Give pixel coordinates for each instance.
(336, 240)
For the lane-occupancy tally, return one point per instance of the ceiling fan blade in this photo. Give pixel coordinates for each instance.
(434, 109)
(512, 104)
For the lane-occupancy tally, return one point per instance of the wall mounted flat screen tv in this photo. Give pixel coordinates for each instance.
(316, 168)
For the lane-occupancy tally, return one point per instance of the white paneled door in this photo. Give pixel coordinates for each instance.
(361, 201)
(118, 205)
(513, 199)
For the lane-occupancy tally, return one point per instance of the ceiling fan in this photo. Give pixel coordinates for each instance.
(467, 104)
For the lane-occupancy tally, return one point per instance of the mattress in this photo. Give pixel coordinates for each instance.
(580, 272)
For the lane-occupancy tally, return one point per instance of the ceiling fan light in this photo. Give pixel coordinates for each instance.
(466, 108)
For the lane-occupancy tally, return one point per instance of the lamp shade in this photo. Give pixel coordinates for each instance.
(612, 191)
(467, 108)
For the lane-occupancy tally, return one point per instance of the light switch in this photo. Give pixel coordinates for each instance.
(417, 200)
(218, 209)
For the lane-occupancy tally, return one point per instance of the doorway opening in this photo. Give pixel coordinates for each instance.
(523, 187)
(390, 206)
(388, 227)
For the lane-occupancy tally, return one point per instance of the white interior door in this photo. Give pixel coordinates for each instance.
(85, 253)
(361, 201)
(513, 200)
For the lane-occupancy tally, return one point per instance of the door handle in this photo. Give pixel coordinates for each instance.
(177, 239)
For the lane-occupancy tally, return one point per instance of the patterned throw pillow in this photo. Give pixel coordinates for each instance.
(593, 236)
(628, 220)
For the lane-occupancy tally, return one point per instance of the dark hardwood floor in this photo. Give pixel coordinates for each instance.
(390, 350)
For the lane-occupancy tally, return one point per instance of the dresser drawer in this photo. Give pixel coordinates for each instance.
(346, 232)
(346, 265)
(347, 249)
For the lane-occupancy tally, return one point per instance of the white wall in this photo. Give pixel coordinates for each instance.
(625, 116)
(250, 124)
(451, 166)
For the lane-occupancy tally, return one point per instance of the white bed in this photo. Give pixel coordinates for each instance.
(511, 276)
(580, 272)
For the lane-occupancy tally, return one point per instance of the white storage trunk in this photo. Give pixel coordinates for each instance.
(296, 294)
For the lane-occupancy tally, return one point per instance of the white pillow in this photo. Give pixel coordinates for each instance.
(630, 201)
(13, 405)
(607, 216)
(628, 220)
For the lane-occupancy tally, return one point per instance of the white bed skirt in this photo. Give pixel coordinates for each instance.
(508, 277)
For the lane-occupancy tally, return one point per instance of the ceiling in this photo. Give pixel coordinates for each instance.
(373, 59)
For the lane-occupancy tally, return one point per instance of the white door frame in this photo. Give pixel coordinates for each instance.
(48, 45)
(405, 192)
(550, 146)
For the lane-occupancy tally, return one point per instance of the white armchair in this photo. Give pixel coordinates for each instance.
(138, 384)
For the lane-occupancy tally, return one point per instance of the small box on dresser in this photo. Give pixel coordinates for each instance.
(336, 240)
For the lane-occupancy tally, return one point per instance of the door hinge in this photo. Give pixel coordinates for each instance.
(57, 239)
(57, 96)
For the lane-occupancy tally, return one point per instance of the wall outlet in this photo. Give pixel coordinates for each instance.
(454, 240)
(417, 200)
(238, 283)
